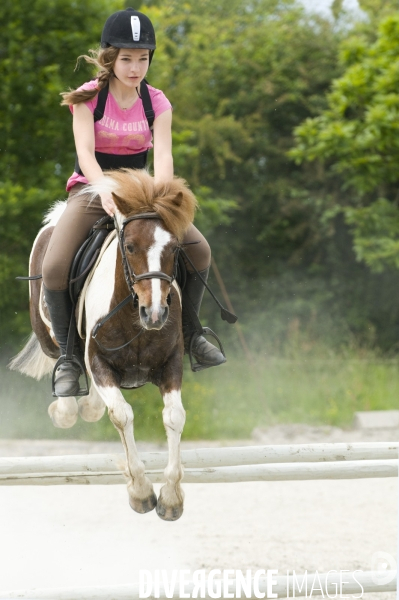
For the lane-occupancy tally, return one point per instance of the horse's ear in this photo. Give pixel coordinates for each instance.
(122, 205)
(178, 199)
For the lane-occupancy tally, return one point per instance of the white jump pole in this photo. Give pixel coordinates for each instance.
(359, 469)
(205, 457)
(319, 584)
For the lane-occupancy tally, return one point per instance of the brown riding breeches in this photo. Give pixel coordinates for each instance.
(73, 228)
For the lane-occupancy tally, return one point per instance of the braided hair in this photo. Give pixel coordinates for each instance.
(104, 59)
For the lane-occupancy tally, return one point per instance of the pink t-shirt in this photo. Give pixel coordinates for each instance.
(121, 131)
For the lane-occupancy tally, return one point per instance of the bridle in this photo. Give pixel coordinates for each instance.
(132, 278)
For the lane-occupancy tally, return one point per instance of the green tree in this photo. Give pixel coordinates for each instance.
(355, 143)
(241, 76)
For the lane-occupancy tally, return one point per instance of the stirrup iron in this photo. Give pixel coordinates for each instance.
(196, 366)
(74, 359)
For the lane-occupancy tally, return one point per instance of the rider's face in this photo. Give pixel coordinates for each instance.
(131, 66)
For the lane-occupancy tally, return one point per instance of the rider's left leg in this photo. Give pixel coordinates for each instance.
(60, 309)
(69, 233)
(199, 252)
(205, 353)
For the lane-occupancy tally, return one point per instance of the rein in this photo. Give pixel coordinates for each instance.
(117, 347)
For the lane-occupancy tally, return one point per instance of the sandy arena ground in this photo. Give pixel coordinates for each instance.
(87, 535)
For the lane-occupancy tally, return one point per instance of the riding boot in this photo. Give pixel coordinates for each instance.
(205, 353)
(59, 305)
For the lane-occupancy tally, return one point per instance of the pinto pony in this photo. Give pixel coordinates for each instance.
(143, 341)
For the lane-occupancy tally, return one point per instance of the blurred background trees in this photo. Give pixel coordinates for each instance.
(39, 44)
(285, 126)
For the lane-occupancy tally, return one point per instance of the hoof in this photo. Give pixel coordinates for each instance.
(170, 502)
(143, 506)
(63, 412)
(89, 411)
(169, 513)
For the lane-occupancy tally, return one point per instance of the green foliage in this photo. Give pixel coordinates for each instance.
(20, 210)
(358, 133)
(376, 9)
(376, 233)
(38, 51)
(213, 211)
(240, 76)
(356, 140)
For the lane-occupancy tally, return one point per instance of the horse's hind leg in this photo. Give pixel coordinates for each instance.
(91, 407)
(64, 412)
(170, 501)
(141, 493)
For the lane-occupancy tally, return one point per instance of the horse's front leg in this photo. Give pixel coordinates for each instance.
(142, 498)
(170, 501)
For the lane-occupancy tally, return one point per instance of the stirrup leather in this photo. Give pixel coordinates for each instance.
(196, 366)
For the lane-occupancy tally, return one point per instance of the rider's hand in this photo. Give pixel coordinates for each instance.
(108, 204)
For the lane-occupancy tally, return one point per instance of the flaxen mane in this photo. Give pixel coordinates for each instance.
(135, 192)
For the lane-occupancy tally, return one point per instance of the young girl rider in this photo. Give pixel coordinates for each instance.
(121, 138)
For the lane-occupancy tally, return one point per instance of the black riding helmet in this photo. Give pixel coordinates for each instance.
(129, 29)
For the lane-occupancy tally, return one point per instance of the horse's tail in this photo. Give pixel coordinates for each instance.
(31, 360)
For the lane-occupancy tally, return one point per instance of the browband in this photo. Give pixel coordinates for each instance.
(148, 215)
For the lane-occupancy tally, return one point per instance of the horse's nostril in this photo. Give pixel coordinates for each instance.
(154, 317)
(165, 314)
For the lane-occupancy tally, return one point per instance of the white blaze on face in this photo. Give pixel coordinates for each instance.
(161, 238)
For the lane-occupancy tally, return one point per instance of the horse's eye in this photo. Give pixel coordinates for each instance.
(130, 248)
